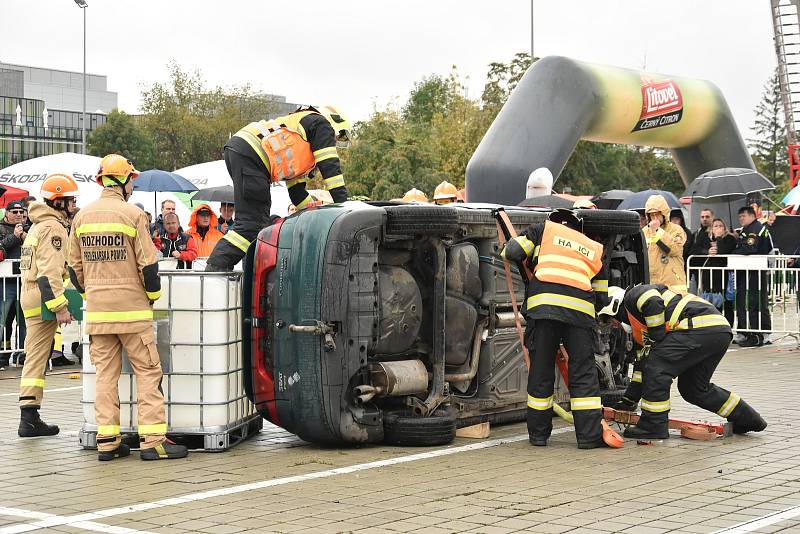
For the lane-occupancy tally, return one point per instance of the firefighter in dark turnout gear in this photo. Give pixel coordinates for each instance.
(689, 337)
(286, 148)
(562, 298)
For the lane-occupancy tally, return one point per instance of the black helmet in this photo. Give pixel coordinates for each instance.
(566, 217)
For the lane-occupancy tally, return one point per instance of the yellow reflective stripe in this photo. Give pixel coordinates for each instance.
(255, 144)
(553, 299)
(325, 153)
(585, 403)
(83, 296)
(90, 228)
(160, 428)
(653, 321)
(56, 302)
(303, 203)
(294, 181)
(703, 321)
(31, 382)
(600, 286)
(536, 251)
(730, 404)
(540, 403)
(107, 430)
(557, 271)
(667, 296)
(237, 240)
(637, 377)
(646, 295)
(655, 406)
(679, 287)
(31, 241)
(526, 244)
(33, 312)
(655, 237)
(676, 313)
(334, 182)
(555, 258)
(153, 295)
(123, 316)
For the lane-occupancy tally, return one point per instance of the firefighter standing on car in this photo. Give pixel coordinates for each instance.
(665, 242)
(286, 148)
(688, 338)
(567, 288)
(113, 261)
(43, 268)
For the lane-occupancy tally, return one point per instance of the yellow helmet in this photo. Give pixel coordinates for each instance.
(115, 170)
(414, 195)
(445, 193)
(59, 186)
(339, 123)
(583, 203)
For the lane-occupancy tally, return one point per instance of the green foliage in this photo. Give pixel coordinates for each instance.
(189, 123)
(121, 135)
(769, 145)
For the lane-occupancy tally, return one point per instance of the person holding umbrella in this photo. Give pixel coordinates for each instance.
(225, 219)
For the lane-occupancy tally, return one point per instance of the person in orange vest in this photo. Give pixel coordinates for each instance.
(686, 338)
(569, 284)
(203, 230)
(445, 193)
(286, 148)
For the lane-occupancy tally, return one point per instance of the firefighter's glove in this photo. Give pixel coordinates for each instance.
(513, 251)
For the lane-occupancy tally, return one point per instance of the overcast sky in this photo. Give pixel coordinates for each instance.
(358, 54)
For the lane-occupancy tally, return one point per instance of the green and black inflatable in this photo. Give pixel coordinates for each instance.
(560, 101)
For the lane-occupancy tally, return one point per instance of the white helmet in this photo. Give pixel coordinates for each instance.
(540, 183)
(616, 295)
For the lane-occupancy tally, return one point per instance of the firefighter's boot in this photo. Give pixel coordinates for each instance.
(31, 425)
(166, 450)
(745, 419)
(120, 452)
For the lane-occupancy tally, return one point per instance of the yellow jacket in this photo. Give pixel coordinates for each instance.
(113, 261)
(43, 261)
(665, 249)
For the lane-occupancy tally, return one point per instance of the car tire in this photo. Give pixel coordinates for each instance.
(436, 429)
(421, 220)
(610, 222)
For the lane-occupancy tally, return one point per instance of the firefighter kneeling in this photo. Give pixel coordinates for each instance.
(112, 257)
(687, 338)
(561, 304)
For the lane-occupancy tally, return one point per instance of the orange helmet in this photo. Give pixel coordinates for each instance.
(59, 186)
(445, 192)
(115, 170)
(415, 195)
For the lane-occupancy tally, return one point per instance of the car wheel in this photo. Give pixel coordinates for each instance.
(436, 429)
(610, 222)
(421, 220)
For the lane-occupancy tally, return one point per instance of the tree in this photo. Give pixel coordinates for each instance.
(769, 145)
(502, 79)
(121, 135)
(190, 123)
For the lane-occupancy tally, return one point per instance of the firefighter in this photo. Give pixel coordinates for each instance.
(687, 338)
(665, 242)
(415, 196)
(113, 261)
(286, 148)
(42, 265)
(445, 193)
(561, 306)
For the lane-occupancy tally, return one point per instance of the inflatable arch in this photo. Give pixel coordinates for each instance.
(560, 101)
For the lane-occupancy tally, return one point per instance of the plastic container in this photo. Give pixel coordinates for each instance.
(198, 331)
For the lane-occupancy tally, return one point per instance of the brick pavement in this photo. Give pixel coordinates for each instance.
(674, 486)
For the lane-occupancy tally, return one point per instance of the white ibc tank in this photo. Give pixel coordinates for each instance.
(198, 331)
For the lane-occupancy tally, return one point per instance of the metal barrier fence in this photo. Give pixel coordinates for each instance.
(757, 294)
(12, 324)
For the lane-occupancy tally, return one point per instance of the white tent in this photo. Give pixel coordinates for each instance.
(30, 174)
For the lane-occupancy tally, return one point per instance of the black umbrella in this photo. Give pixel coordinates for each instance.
(637, 200)
(609, 200)
(222, 193)
(728, 183)
(547, 201)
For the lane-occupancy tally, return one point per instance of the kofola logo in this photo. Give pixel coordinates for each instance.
(662, 104)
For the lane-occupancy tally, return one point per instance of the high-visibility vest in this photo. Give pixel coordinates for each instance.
(568, 257)
(281, 145)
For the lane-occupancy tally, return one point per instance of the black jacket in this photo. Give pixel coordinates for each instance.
(754, 239)
(700, 245)
(11, 244)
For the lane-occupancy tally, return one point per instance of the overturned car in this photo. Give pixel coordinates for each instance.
(367, 323)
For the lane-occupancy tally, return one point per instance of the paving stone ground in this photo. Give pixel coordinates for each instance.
(674, 486)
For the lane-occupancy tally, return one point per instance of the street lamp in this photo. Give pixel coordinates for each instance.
(83, 5)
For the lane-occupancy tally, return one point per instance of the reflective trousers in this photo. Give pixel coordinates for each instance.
(542, 340)
(106, 355)
(633, 393)
(692, 357)
(38, 345)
